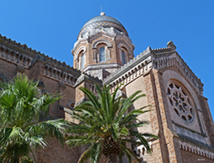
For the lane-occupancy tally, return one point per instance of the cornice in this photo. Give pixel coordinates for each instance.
(16, 46)
(15, 57)
(170, 47)
(66, 74)
(140, 64)
(127, 40)
(21, 54)
(87, 77)
(110, 33)
(190, 145)
(172, 59)
(159, 59)
(101, 66)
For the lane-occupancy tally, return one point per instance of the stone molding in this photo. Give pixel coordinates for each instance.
(136, 67)
(109, 45)
(58, 74)
(82, 48)
(127, 43)
(158, 59)
(18, 46)
(194, 135)
(87, 77)
(23, 55)
(107, 32)
(196, 150)
(15, 57)
(101, 66)
(174, 60)
(170, 48)
(27, 57)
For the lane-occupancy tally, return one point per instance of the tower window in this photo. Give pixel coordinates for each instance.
(102, 54)
(82, 62)
(123, 57)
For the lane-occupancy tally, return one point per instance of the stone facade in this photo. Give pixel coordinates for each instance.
(103, 54)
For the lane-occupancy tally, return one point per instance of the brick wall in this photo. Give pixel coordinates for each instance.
(188, 157)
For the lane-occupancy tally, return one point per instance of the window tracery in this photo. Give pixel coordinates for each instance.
(180, 102)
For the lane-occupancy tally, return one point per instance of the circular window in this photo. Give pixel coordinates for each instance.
(180, 102)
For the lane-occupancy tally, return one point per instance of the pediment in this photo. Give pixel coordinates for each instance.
(174, 61)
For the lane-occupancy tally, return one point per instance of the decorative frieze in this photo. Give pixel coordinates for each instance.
(161, 59)
(173, 60)
(196, 150)
(18, 45)
(15, 57)
(60, 75)
(138, 66)
(26, 57)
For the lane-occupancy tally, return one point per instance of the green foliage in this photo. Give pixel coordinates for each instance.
(107, 124)
(21, 132)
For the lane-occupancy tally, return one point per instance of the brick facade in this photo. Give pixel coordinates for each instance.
(151, 72)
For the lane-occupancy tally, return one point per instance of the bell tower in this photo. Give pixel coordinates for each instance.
(103, 46)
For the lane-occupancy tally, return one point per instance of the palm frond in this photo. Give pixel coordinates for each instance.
(141, 138)
(106, 124)
(139, 124)
(85, 155)
(95, 152)
(21, 105)
(77, 140)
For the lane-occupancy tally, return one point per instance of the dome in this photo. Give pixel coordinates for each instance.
(102, 21)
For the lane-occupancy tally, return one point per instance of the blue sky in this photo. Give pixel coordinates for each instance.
(52, 26)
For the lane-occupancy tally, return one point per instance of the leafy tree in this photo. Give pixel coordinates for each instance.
(21, 130)
(106, 125)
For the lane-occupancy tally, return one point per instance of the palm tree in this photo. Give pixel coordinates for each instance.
(21, 131)
(107, 125)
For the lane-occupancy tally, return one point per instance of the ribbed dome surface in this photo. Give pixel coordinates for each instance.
(102, 21)
(102, 18)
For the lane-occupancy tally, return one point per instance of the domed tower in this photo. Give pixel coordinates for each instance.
(103, 46)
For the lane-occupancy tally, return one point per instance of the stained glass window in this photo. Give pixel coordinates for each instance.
(102, 54)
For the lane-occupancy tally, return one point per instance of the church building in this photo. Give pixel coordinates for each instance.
(103, 55)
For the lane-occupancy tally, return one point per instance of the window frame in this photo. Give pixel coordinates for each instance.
(123, 57)
(104, 55)
(82, 60)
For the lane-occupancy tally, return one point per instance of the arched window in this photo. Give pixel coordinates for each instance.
(102, 54)
(123, 54)
(82, 61)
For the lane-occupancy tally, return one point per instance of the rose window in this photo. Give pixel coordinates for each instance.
(180, 102)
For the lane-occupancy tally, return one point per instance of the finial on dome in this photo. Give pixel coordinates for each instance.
(102, 13)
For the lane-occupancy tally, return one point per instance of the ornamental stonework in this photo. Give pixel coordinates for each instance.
(180, 102)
